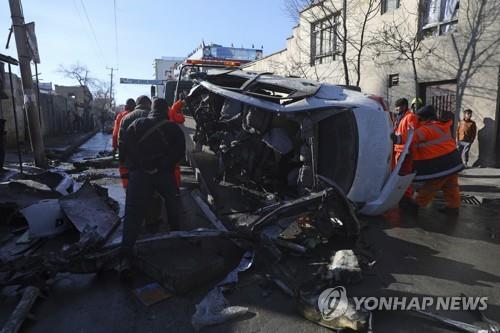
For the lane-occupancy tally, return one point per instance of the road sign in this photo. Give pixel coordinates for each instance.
(124, 80)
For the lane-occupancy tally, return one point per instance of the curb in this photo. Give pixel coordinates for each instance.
(64, 153)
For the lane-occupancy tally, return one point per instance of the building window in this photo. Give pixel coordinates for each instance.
(389, 5)
(324, 40)
(439, 17)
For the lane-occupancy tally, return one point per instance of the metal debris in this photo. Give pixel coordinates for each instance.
(343, 267)
(45, 218)
(21, 311)
(151, 293)
(87, 209)
(465, 327)
(97, 163)
(214, 308)
(356, 320)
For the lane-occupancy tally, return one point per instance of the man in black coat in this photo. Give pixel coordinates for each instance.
(141, 110)
(154, 146)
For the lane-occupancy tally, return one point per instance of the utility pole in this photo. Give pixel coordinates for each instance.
(111, 85)
(30, 103)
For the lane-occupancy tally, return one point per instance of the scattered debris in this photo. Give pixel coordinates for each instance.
(87, 209)
(356, 320)
(21, 194)
(151, 293)
(179, 266)
(56, 180)
(89, 255)
(53, 179)
(45, 218)
(214, 308)
(24, 238)
(343, 267)
(465, 327)
(21, 311)
(97, 163)
(283, 287)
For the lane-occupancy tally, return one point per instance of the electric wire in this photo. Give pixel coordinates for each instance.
(116, 33)
(92, 29)
(83, 27)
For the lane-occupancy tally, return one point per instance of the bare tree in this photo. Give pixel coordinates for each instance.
(102, 96)
(476, 44)
(349, 33)
(400, 41)
(79, 73)
(367, 14)
(293, 8)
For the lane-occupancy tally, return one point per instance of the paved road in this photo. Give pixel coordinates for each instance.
(422, 255)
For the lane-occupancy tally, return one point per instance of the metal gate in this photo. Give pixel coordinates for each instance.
(442, 97)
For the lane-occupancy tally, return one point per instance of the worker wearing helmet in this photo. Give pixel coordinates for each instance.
(405, 120)
(416, 104)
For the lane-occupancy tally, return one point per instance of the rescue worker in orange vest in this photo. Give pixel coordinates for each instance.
(175, 115)
(129, 107)
(405, 120)
(436, 161)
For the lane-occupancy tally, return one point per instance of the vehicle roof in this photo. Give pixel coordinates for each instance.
(299, 94)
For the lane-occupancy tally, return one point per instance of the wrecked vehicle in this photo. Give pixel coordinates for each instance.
(287, 137)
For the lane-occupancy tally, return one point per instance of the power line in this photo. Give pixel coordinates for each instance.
(85, 30)
(116, 33)
(92, 29)
(111, 95)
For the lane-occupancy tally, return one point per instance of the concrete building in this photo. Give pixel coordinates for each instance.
(441, 34)
(81, 97)
(164, 70)
(7, 111)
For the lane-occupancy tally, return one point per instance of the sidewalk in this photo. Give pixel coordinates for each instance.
(483, 183)
(60, 147)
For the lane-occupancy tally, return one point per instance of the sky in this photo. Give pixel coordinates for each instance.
(146, 29)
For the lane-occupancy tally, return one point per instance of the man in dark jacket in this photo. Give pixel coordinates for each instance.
(154, 146)
(142, 108)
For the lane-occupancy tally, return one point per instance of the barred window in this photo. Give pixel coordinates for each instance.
(324, 40)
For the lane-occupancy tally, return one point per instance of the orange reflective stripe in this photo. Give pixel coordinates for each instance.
(420, 134)
(434, 142)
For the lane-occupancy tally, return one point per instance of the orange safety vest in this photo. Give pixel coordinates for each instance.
(402, 127)
(116, 128)
(175, 112)
(434, 151)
